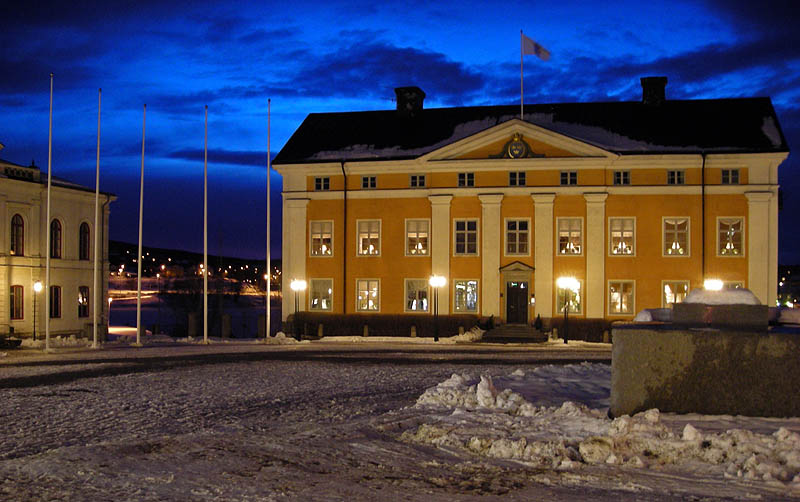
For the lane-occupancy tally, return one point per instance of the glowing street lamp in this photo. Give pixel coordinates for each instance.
(297, 285)
(436, 282)
(712, 285)
(569, 285)
(37, 288)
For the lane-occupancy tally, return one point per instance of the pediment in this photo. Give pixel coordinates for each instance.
(516, 266)
(515, 139)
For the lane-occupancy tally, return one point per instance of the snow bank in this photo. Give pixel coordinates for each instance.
(56, 341)
(739, 296)
(789, 316)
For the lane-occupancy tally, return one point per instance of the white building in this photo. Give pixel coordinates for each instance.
(23, 242)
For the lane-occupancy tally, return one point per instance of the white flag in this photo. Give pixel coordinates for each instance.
(531, 47)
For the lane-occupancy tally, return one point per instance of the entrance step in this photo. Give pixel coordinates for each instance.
(514, 333)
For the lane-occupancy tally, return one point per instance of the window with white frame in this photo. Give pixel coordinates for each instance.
(465, 298)
(620, 298)
(466, 237)
(673, 292)
(322, 184)
(729, 240)
(569, 177)
(676, 236)
(675, 178)
(369, 237)
(622, 177)
(516, 178)
(368, 295)
(321, 238)
(622, 239)
(572, 297)
(517, 237)
(417, 181)
(417, 233)
(321, 294)
(730, 176)
(732, 284)
(569, 236)
(416, 295)
(466, 179)
(83, 301)
(369, 182)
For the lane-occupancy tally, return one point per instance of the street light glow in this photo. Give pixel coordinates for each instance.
(37, 286)
(298, 285)
(569, 283)
(437, 281)
(712, 285)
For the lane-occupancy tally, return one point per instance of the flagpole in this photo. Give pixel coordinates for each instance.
(205, 232)
(139, 256)
(96, 231)
(521, 100)
(269, 265)
(47, 224)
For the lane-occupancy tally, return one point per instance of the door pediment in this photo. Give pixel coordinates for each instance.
(516, 266)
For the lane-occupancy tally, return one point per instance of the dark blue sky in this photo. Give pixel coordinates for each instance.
(343, 56)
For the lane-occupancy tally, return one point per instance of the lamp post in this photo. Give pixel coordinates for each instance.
(37, 288)
(297, 286)
(568, 284)
(436, 282)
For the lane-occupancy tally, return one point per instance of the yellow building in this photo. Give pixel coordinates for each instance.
(639, 201)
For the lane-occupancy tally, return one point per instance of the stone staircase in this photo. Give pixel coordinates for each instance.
(514, 333)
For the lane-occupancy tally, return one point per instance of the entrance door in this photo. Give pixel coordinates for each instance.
(516, 302)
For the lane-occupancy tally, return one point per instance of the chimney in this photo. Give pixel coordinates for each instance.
(409, 100)
(653, 90)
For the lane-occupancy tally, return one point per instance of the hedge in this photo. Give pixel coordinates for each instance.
(378, 324)
(589, 330)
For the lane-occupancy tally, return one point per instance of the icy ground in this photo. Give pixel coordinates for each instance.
(372, 430)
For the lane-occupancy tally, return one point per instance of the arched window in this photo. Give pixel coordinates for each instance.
(83, 238)
(17, 302)
(17, 236)
(55, 302)
(55, 239)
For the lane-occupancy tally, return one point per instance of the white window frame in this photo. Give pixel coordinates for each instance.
(571, 178)
(632, 305)
(506, 221)
(611, 238)
(740, 219)
(378, 295)
(664, 283)
(427, 295)
(477, 295)
(676, 177)
(517, 179)
(560, 300)
(624, 178)
(730, 174)
(664, 236)
(558, 235)
(427, 252)
(323, 182)
(311, 294)
(469, 180)
(311, 239)
(370, 181)
(466, 232)
(417, 181)
(358, 237)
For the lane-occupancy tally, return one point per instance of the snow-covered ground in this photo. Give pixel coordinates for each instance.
(370, 430)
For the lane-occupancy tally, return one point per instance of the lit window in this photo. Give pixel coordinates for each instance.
(466, 296)
(676, 236)
(573, 298)
(675, 178)
(369, 237)
(321, 297)
(369, 182)
(417, 181)
(516, 179)
(466, 179)
(620, 297)
(84, 242)
(417, 232)
(83, 301)
(569, 236)
(732, 285)
(569, 177)
(17, 302)
(622, 236)
(730, 176)
(416, 295)
(622, 177)
(322, 184)
(55, 302)
(673, 292)
(517, 237)
(55, 239)
(466, 237)
(368, 299)
(17, 236)
(321, 238)
(729, 232)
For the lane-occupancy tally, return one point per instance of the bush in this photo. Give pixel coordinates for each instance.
(589, 330)
(380, 324)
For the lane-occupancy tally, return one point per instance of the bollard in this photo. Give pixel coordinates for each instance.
(413, 331)
(319, 330)
(461, 330)
(554, 335)
(606, 337)
(366, 331)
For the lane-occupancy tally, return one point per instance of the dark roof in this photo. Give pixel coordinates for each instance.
(41, 178)
(747, 125)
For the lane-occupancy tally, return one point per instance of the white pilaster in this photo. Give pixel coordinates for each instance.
(772, 276)
(293, 254)
(595, 245)
(491, 242)
(543, 252)
(440, 246)
(758, 245)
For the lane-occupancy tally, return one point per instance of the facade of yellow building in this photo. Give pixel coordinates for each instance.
(639, 201)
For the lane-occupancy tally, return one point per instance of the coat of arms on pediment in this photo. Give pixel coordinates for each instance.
(516, 148)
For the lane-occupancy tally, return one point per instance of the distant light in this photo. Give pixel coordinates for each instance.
(712, 285)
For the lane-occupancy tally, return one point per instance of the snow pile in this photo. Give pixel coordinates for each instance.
(740, 296)
(650, 315)
(556, 417)
(280, 338)
(789, 316)
(473, 335)
(56, 341)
